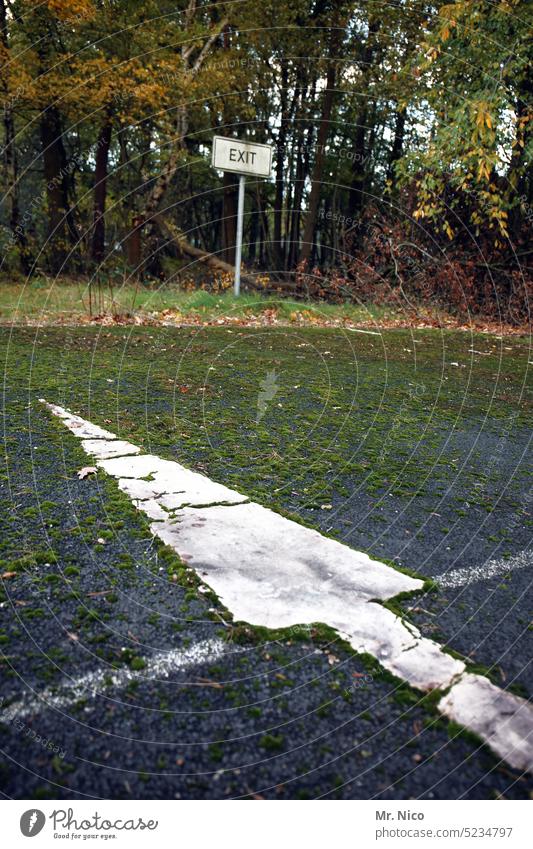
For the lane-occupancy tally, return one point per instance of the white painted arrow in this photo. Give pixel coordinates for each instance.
(273, 572)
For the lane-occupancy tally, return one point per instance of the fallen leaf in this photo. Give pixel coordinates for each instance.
(86, 471)
(205, 682)
(253, 794)
(9, 575)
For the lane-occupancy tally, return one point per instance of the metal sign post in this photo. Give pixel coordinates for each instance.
(241, 158)
(238, 244)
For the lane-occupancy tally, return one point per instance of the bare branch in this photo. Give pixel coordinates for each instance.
(207, 46)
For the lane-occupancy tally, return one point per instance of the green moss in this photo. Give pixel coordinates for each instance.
(272, 742)
(33, 613)
(302, 453)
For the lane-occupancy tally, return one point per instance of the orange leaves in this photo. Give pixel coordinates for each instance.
(448, 230)
(69, 12)
(482, 116)
(483, 169)
(129, 88)
(72, 10)
(449, 14)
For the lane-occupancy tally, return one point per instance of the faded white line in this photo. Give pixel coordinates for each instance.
(158, 667)
(501, 719)
(360, 330)
(490, 569)
(273, 572)
(79, 427)
(105, 449)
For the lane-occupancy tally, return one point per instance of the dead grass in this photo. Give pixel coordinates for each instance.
(69, 302)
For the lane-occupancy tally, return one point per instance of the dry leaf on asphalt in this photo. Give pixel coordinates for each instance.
(86, 471)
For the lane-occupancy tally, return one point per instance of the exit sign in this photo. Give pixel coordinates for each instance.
(241, 157)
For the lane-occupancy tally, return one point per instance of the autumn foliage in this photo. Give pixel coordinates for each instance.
(402, 146)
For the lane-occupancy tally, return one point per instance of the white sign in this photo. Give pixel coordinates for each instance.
(242, 157)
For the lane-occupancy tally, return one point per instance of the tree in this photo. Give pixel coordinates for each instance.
(474, 75)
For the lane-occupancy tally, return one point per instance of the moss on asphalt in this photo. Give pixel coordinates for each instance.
(343, 414)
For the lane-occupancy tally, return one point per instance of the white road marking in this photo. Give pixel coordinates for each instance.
(490, 569)
(158, 666)
(273, 572)
(170, 483)
(503, 720)
(105, 449)
(80, 427)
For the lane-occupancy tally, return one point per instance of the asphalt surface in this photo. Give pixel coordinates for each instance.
(485, 619)
(92, 593)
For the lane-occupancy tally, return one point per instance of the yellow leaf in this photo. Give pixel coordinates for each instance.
(449, 231)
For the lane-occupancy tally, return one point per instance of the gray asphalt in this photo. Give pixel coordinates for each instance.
(275, 719)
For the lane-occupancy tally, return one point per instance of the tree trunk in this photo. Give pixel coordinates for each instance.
(161, 184)
(355, 201)
(100, 191)
(10, 154)
(323, 132)
(296, 212)
(280, 166)
(397, 145)
(303, 173)
(133, 246)
(10, 168)
(229, 216)
(254, 231)
(174, 234)
(55, 175)
(295, 164)
(192, 67)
